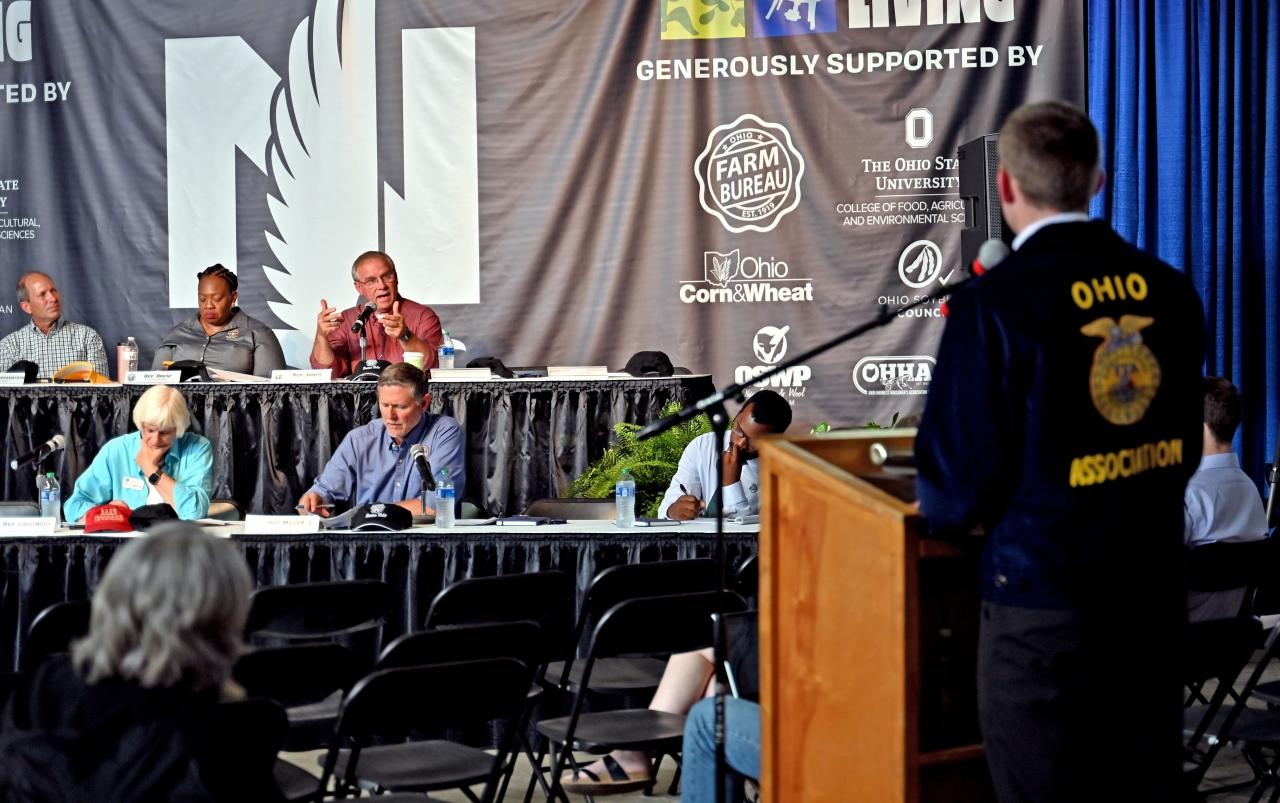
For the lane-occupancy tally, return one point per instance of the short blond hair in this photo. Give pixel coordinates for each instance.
(1051, 150)
(162, 407)
(170, 611)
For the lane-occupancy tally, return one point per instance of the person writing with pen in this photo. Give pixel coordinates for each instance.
(691, 493)
(373, 463)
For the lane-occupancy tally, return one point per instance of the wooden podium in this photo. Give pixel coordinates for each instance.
(868, 633)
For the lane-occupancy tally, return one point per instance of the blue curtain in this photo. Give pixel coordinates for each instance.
(1186, 97)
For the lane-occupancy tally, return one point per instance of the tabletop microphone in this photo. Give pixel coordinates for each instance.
(364, 316)
(418, 453)
(40, 452)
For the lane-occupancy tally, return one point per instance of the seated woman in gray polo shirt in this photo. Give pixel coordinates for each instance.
(220, 334)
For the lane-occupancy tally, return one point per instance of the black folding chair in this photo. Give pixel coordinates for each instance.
(391, 703)
(1217, 650)
(630, 675)
(1221, 568)
(522, 641)
(670, 624)
(53, 630)
(350, 612)
(238, 755)
(8, 682)
(308, 680)
(742, 654)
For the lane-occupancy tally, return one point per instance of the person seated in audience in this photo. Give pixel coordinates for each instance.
(688, 678)
(220, 334)
(160, 463)
(131, 712)
(373, 464)
(50, 340)
(1222, 504)
(397, 325)
(741, 747)
(692, 488)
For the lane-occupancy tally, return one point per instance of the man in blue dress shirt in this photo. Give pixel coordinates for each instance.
(373, 463)
(1222, 503)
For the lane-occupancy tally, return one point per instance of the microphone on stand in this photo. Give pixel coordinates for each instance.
(992, 253)
(418, 453)
(364, 316)
(40, 452)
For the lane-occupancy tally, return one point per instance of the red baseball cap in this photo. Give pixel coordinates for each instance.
(108, 519)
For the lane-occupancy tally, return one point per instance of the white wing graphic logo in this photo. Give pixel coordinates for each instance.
(326, 169)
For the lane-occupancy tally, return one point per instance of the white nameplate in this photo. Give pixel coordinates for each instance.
(152, 377)
(13, 378)
(31, 525)
(255, 524)
(310, 375)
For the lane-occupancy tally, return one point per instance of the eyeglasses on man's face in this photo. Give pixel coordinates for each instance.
(387, 278)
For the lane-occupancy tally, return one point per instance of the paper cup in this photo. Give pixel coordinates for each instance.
(415, 358)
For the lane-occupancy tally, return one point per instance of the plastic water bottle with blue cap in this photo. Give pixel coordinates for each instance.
(445, 352)
(626, 492)
(51, 498)
(444, 500)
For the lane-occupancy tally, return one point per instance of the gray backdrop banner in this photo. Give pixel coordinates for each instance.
(729, 181)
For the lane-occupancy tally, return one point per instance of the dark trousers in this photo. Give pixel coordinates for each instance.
(1078, 706)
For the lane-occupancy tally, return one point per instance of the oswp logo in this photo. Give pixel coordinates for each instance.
(921, 264)
(749, 174)
(894, 376)
(769, 346)
(314, 132)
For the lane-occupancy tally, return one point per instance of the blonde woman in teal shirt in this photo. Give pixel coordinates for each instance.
(161, 463)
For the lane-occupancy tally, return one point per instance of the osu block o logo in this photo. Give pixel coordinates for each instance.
(920, 264)
(749, 174)
(703, 19)
(1125, 374)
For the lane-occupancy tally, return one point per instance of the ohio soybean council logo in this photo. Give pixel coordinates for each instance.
(894, 376)
(733, 278)
(921, 263)
(749, 174)
(769, 346)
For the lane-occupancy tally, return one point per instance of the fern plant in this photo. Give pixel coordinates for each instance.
(652, 462)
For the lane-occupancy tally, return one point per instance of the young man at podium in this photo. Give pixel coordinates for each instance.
(1064, 417)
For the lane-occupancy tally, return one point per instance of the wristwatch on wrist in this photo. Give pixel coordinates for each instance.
(407, 336)
(154, 478)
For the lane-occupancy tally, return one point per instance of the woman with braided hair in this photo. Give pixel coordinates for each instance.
(220, 334)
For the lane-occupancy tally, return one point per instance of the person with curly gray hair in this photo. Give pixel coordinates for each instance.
(126, 715)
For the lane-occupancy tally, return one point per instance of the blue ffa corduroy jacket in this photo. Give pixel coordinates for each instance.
(1065, 416)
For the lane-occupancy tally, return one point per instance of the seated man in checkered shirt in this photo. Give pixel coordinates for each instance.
(49, 341)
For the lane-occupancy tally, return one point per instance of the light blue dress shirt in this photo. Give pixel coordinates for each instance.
(189, 462)
(697, 473)
(370, 467)
(1222, 503)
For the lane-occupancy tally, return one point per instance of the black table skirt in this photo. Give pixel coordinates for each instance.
(41, 571)
(525, 440)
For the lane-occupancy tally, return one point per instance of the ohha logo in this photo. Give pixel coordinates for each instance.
(920, 264)
(894, 376)
(770, 347)
(732, 277)
(749, 174)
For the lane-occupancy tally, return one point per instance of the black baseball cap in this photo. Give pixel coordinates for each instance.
(381, 516)
(367, 370)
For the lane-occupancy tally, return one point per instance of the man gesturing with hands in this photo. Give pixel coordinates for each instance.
(397, 325)
(693, 486)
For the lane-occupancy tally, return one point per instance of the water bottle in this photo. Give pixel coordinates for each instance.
(446, 352)
(626, 500)
(50, 499)
(131, 355)
(444, 500)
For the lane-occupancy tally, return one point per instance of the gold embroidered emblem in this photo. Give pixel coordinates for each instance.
(1125, 374)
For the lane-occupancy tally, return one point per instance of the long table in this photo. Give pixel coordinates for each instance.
(417, 563)
(526, 439)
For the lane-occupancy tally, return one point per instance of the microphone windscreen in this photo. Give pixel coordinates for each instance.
(992, 253)
(58, 441)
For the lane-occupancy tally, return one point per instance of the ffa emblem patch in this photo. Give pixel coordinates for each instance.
(1125, 374)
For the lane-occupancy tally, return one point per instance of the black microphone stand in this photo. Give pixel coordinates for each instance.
(713, 406)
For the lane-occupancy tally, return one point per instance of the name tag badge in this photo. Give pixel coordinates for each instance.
(133, 484)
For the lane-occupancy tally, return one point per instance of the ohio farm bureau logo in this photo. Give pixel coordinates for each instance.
(749, 174)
